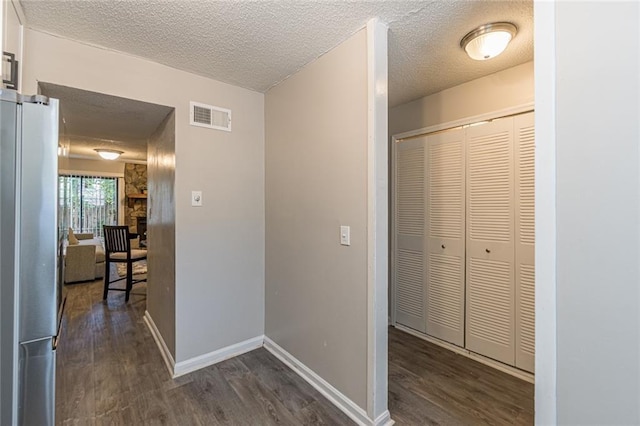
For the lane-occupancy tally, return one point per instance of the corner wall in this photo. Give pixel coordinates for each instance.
(161, 231)
(316, 180)
(220, 246)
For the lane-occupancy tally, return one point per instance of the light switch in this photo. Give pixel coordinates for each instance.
(345, 235)
(196, 198)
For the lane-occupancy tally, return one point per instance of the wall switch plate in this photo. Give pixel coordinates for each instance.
(196, 198)
(345, 235)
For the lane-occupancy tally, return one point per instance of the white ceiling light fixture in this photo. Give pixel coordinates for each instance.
(109, 154)
(489, 40)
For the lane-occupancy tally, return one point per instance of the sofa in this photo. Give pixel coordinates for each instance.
(83, 259)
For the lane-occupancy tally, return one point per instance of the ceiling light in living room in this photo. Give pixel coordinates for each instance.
(109, 154)
(488, 41)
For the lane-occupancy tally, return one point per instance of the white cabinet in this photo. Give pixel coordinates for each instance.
(464, 237)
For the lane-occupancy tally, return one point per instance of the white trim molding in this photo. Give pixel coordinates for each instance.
(377, 222)
(177, 369)
(164, 349)
(337, 398)
(546, 344)
(505, 112)
(187, 366)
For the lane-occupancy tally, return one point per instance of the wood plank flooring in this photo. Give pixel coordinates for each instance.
(110, 372)
(432, 385)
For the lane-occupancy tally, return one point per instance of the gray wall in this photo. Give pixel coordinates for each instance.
(161, 230)
(504, 89)
(316, 180)
(219, 246)
(598, 191)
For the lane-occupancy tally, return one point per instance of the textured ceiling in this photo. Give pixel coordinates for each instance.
(256, 44)
(90, 120)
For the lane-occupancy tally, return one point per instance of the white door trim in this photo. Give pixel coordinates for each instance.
(545, 212)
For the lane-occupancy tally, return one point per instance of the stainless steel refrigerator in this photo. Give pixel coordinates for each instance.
(30, 290)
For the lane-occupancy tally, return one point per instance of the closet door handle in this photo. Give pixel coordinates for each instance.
(443, 247)
(487, 250)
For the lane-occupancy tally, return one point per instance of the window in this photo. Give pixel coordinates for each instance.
(85, 203)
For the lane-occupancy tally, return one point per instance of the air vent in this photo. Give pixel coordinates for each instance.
(209, 116)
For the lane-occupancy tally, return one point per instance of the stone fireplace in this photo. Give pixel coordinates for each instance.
(141, 227)
(135, 189)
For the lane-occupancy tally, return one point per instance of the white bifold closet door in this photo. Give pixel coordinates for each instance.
(409, 261)
(445, 217)
(490, 301)
(525, 240)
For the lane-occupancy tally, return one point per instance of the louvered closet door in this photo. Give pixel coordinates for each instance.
(525, 240)
(490, 243)
(409, 262)
(445, 236)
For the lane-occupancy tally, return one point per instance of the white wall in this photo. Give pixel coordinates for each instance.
(316, 180)
(597, 77)
(220, 246)
(504, 89)
(88, 167)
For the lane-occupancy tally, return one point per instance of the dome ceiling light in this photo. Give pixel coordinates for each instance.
(489, 40)
(109, 154)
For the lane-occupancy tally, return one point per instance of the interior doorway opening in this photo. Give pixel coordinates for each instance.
(136, 190)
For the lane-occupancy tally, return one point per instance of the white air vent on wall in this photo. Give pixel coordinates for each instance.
(209, 116)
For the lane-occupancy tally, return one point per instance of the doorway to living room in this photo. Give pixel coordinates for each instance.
(132, 185)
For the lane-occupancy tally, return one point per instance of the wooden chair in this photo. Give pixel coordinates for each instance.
(117, 248)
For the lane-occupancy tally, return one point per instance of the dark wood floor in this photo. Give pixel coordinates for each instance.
(111, 372)
(432, 385)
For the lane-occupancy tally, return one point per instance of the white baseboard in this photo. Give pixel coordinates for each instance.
(336, 397)
(164, 350)
(384, 419)
(516, 372)
(184, 367)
